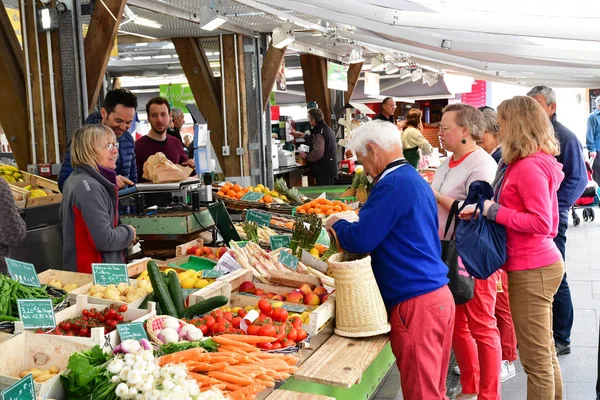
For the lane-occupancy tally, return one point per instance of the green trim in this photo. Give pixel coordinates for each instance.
(371, 379)
(169, 224)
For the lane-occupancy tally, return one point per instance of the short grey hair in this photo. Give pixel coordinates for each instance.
(545, 91)
(598, 101)
(491, 121)
(382, 133)
(177, 112)
(468, 117)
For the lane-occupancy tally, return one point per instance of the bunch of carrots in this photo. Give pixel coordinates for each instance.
(238, 369)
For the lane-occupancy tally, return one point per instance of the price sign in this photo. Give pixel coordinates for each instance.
(110, 274)
(252, 196)
(242, 244)
(261, 219)
(288, 260)
(248, 294)
(36, 313)
(134, 331)
(294, 308)
(21, 390)
(323, 238)
(187, 292)
(278, 241)
(22, 272)
(211, 273)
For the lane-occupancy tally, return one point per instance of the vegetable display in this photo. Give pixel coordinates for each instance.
(91, 318)
(251, 231)
(305, 234)
(67, 287)
(40, 375)
(121, 292)
(11, 290)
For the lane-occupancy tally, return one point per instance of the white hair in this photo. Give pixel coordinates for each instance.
(598, 101)
(382, 133)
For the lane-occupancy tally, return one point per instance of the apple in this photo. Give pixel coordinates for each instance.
(320, 290)
(277, 297)
(198, 252)
(247, 287)
(270, 295)
(191, 250)
(260, 292)
(324, 298)
(305, 288)
(295, 297)
(221, 251)
(312, 299)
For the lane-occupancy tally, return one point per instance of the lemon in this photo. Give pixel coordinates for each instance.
(236, 309)
(226, 309)
(260, 186)
(250, 188)
(277, 304)
(266, 191)
(305, 316)
(166, 271)
(284, 197)
(188, 283)
(290, 316)
(249, 308)
(314, 252)
(274, 194)
(201, 283)
(257, 190)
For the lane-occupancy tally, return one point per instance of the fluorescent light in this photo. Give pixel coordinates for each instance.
(356, 56)
(162, 56)
(283, 35)
(147, 22)
(210, 19)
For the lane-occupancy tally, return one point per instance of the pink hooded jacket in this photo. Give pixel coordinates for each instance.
(529, 211)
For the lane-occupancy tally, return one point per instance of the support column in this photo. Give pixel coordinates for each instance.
(353, 75)
(314, 72)
(271, 64)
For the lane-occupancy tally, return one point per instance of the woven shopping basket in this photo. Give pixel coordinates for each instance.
(359, 308)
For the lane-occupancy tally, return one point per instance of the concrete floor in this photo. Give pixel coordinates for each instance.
(578, 368)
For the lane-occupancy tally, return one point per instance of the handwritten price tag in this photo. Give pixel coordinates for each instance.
(110, 274)
(37, 313)
(278, 241)
(134, 331)
(22, 272)
(288, 260)
(261, 219)
(21, 390)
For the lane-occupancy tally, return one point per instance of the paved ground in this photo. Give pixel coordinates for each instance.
(578, 368)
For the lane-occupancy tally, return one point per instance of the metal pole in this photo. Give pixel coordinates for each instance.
(29, 87)
(39, 63)
(53, 98)
(237, 88)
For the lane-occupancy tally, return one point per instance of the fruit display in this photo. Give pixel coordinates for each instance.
(257, 260)
(306, 294)
(121, 292)
(360, 187)
(90, 318)
(10, 174)
(191, 279)
(294, 196)
(206, 252)
(307, 230)
(67, 287)
(281, 222)
(236, 192)
(40, 375)
(322, 207)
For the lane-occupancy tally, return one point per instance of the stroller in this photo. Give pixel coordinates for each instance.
(589, 199)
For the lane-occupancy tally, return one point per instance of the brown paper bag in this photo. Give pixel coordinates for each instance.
(159, 169)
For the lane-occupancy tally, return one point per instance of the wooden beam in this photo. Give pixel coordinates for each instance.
(268, 71)
(353, 75)
(13, 101)
(45, 76)
(314, 71)
(59, 93)
(205, 88)
(99, 42)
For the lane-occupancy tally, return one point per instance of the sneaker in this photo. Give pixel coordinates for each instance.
(562, 348)
(456, 370)
(507, 371)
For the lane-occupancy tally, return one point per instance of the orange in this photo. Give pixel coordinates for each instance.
(230, 193)
(245, 190)
(239, 195)
(311, 210)
(321, 201)
(301, 211)
(337, 208)
(236, 188)
(226, 188)
(289, 225)
(329, 212)
(267, 199)
(345, 207)
(219, 193)
(329, 202)
(319, 212)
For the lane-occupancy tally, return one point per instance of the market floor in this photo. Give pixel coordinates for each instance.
(579, 367)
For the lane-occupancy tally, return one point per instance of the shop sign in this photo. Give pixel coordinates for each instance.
(22, 272)
(36, 313)
(278, 241)
(337, 76)
(288, 260)
(178, 94)
(252, 196)
(110, 274)
(261, 219)
(21, 390)
(132, 331)
(371, 84)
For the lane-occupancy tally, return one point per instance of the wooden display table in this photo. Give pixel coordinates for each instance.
(287, 395)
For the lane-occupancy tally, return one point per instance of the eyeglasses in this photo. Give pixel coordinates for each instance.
(110, 146)
(446, 128)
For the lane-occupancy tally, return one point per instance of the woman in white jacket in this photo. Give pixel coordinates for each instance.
(412, 139)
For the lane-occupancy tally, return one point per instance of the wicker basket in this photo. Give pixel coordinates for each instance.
(285, 209)
(359, 308)
(240, 205)
(155, 324)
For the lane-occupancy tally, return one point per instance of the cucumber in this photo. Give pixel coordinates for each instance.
(161, 290)
(205, 306)
(176, 291)
(147, 299)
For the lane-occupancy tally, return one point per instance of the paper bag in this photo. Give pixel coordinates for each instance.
(159, 169)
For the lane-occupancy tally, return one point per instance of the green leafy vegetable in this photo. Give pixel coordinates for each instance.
(87, 377)
(208, 345)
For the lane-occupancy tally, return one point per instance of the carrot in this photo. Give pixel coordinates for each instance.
(226, 377)
(232, 386)
(204, 380)
(265, 378)
(206, 367)
(195, 354)
(247, 391)
(250, 339)
(251, 356)
(219, 386)
(233, 343)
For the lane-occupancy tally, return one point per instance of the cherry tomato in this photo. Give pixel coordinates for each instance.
(204, 329)
(217, 314)
(267, 330)
(264, 306)
(220, 327)
(280, 314)
(210, 320)
(111, 323)
(102, 318)
(300, 335)
(84, 332)
(288, 343)
(111, 313)
(292, 334)
(228, 316)
(71, 333)
(296, 321)
(276, 345)
(242, 313)
(85, 313)
(92, 315)
(253, 330)
(122, 308)
(236, 322)
(119, 318)
(265, 346)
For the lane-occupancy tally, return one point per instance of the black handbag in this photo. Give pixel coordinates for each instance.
(462, 285)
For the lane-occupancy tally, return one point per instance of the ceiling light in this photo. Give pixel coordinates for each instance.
(416, 75)
(356, 56)
(378, 63)
(283, 35)
(210, 19)
(404, 73)
(391, 68)
(147, 22)
(446, 44)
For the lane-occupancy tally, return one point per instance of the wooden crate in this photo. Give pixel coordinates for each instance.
(136, 267)
(182, 249)
(30, 350)
(96, 300)
(106, 341)
(19, 195)
(221, 286)
(65, 277)
(47, 185)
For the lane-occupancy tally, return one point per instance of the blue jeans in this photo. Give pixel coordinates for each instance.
(562, 307)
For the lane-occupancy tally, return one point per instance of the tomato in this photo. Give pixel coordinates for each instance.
(220, 327)
(265, 346)
(93, 315)
(111, 313)
(119, 318)
(71, 333)
(85, 313)
(296, 321)
(217, 314)
(280, 314)
(228, 316)
(242, 313)
(204, 329)
(288, 343)
(264, 319)
(267, 330)
(239, 332)
(280, 332)
(276, 345)
(84, 332)
(102, 318)
(236, 322)
(122, 308)
(253, 330)
(210, 320)
(300, 335)
(111, 323)
(292, 334)
(264, 306)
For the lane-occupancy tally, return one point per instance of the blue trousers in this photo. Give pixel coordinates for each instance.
(562, 307)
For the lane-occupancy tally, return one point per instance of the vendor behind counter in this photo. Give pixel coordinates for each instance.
(322, 157)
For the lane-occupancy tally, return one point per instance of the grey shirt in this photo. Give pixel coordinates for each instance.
(13, 229)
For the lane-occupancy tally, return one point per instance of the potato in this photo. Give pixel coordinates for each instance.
(99, 295)
(44, 378)
(69, 287)
(23, 373)
(35, 373)
(97, 288)
(56, 283)
(111, 287)
(54, 369)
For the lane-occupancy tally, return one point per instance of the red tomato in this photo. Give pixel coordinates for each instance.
(217, 314)
(296, 322)
(267, 330)
(276, 345)
(220, 327)
(265, 346)
(85, 313)
(210, 320)
(111, 313)
(264, 306)
(301, 335)
(204, 329)
(236, 322)
(253, 330)
(84, 332)
(280, 314)
(102, 318)
(292, 334)
(122, 308)
(242, 313)
(288, 343)
(119, 318)
(280, 332)
(111, 323)
(228, 316)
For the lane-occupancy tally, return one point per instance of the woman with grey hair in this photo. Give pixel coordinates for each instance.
(89, 210)
(489, 141)
(476, 340)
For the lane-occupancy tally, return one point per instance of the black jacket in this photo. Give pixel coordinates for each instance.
(326, 166)
(382, 117)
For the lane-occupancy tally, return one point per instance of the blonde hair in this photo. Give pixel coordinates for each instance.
(526, 129)
(468, 117)
(86, 144)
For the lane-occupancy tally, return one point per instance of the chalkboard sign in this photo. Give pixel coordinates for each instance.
(36, 313)
(278, 241)
(252, 196)
(211, 273)
(261, 219)
(134, 331)
(110, 274)
(22, 272)
(21, 390)
(242, 244)
(294, 308)
(288, 260)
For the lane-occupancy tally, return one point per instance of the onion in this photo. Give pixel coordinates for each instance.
(194, 335)
(172, 323)
(186, 328)
(168, 335)
(130, 346)
(146, 344)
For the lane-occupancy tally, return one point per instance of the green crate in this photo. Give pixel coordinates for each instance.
(196, 263)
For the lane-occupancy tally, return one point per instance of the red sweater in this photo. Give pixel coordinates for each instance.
(146, 147)
(529, 211)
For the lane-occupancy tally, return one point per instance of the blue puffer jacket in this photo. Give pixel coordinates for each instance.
(125, 163)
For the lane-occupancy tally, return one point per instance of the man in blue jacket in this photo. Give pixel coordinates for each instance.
(398, 226)
(571, 188)
(117, 112)
(592, 139)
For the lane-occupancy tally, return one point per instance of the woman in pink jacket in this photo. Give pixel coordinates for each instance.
(526, 204)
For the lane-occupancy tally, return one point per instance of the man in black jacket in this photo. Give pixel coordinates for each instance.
(321, 157)
(388, 105)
